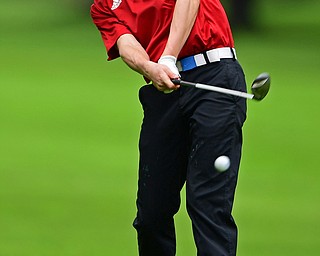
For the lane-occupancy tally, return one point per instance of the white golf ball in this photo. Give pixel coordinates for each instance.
(222, 163)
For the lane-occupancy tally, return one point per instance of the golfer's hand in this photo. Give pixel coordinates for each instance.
(170, 62)
(161, 76)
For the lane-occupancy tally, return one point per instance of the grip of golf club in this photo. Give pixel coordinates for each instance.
(183, 83)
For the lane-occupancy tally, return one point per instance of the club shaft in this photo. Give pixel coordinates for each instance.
(224, 90)
(215, 89)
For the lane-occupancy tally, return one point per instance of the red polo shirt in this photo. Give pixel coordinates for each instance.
(149, 22)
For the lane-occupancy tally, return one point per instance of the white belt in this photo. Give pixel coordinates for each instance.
(207, 57)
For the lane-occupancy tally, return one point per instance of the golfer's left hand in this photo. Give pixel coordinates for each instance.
(170, 62)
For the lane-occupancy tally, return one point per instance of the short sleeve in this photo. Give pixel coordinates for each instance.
(109, 26)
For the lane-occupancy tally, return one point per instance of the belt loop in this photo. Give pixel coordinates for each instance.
(205, 55)
(233, 55)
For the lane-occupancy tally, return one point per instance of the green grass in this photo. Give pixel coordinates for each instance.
(69, 134)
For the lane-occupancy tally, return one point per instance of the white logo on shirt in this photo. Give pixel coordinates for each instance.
(115, 4)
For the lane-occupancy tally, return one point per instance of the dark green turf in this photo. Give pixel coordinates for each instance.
(69, 134)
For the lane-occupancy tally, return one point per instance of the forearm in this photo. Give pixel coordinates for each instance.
(184, 16)
(133, 54)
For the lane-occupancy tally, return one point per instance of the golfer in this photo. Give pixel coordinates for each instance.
(184, 129)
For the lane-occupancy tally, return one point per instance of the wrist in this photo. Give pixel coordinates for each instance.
(146, 68)
(167, 59)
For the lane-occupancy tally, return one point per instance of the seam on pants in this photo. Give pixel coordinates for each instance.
(228, 177)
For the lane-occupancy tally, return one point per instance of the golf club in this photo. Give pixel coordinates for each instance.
(259, 88)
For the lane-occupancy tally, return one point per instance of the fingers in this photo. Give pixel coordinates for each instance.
(169, 66)
(165, 84)
(163, 81)
(161, 75)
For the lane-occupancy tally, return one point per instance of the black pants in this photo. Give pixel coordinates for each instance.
(182, 134)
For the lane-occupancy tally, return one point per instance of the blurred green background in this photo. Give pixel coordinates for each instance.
(69, 124)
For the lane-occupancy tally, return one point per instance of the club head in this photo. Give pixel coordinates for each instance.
(260, 86)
